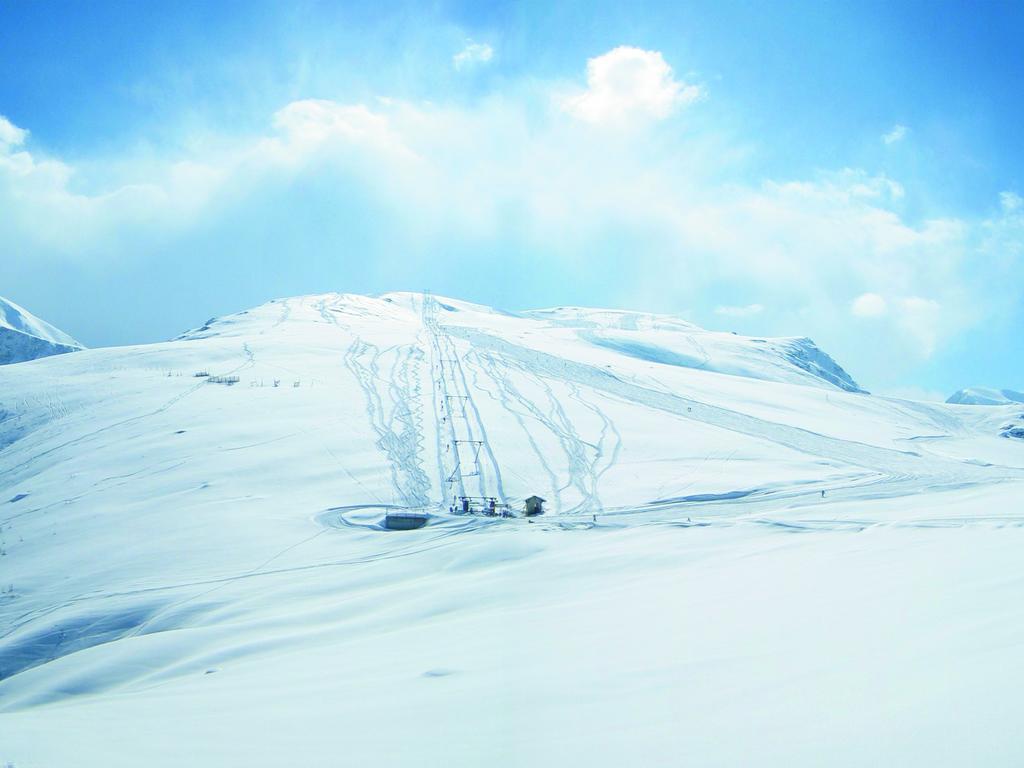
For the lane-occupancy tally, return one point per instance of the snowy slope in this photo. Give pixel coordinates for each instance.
(986, 396)
(23, 336)
(671, 341)
(737, 543)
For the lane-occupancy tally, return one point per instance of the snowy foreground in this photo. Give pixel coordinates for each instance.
(194, 571)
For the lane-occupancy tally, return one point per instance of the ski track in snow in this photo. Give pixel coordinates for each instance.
(507, 396)
(558, 424)
(884, 460)
(42, 434)
(396, 429)
(596, 471)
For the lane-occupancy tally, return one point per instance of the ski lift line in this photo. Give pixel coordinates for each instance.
(440, 386)
(463, 382)
(452, 375)
(496, 468)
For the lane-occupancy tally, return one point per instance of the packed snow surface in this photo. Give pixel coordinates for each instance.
(744, 559)
(23, 336)
(986, 396)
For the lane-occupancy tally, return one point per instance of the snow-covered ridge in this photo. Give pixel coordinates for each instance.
(806, 355)
(985, 396)
(651, 338)
(670, 340)
(23, 336)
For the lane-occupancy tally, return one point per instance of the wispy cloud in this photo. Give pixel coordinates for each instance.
(745, 311)
(869, 305)
(915, 393)
(1011, 202)
(473, 54)
(916, 319)
(895, 134)
(920, 320)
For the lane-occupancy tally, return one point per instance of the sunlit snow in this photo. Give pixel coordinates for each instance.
(745, 560)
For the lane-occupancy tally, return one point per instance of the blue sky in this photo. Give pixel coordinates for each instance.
(850, 171)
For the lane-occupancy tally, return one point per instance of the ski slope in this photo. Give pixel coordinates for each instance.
(745, 560)
(23, 336)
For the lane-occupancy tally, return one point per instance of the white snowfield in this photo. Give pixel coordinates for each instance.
(23, 336)
(744, 560)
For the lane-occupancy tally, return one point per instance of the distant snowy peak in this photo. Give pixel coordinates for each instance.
(23, 336)
(15, 318)
(986, 396)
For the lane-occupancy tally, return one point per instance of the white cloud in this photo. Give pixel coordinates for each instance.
(845, 186)
(630, 82)
(917, 320)
(310, 124)
(746, 311)
(510, 178)
(921, 321)
(869, 305)
(895, 134)
(10, 135)
(472, 54)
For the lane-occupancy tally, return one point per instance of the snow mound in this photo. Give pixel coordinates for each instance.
(23, 336)
(986, 396)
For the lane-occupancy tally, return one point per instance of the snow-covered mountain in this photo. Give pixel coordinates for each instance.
(23, 336)
(671, 341)
(736, 541)
(986, 396)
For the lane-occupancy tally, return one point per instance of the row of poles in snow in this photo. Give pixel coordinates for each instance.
(462, 446)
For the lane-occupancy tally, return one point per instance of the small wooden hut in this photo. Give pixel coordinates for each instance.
(534, 506)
